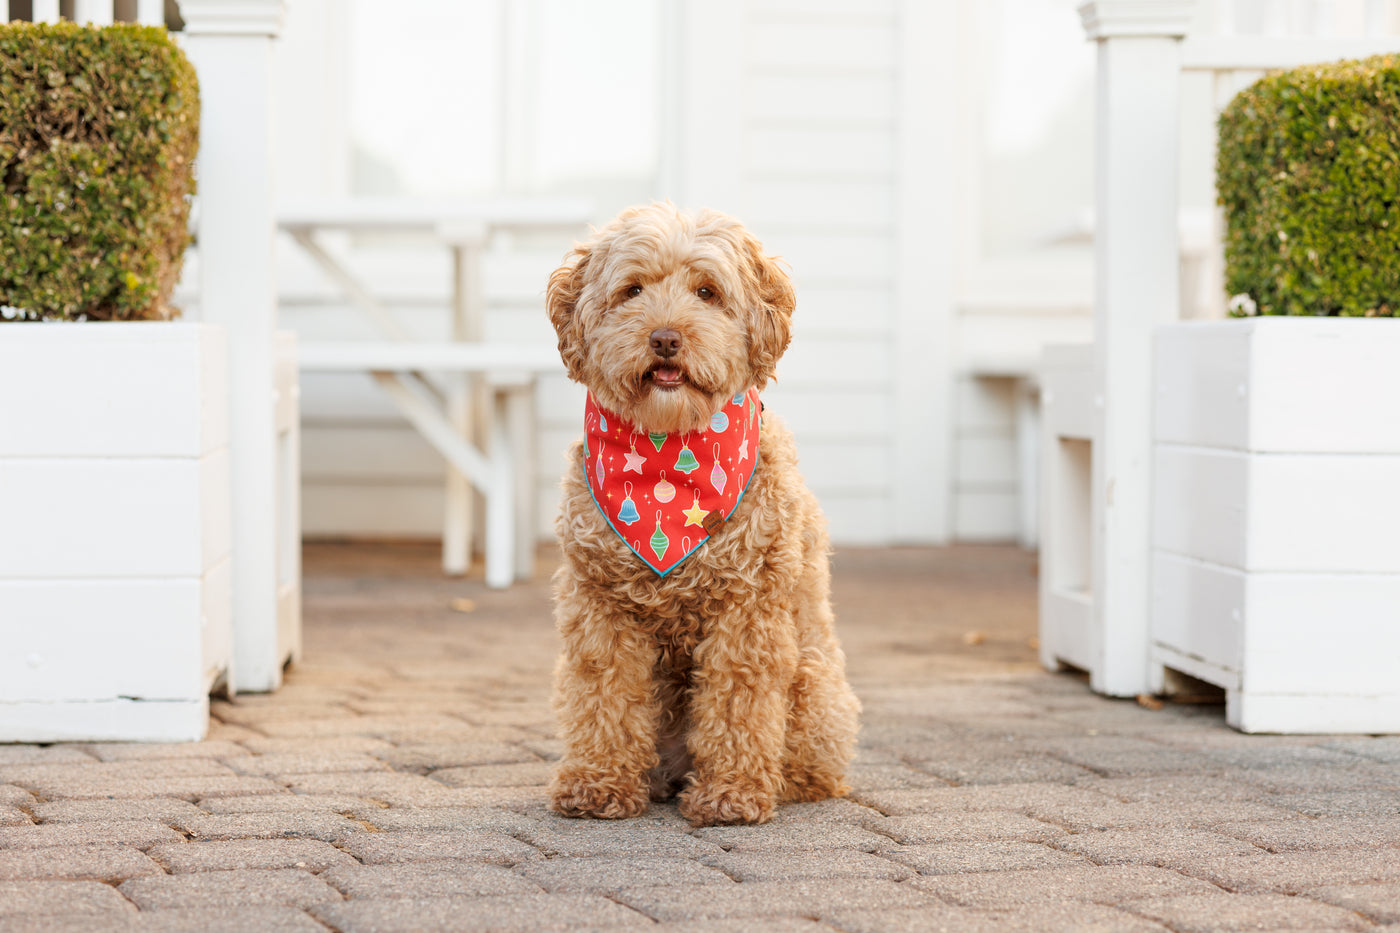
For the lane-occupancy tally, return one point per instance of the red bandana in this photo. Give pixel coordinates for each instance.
(665, 494)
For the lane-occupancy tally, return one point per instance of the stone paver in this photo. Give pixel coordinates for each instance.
(51, 897)
(1219, 912)
(397, 782)
(381, 848)
(522, 912)
(309, 854)
(287, 887)
(610, 875)
(429, 879)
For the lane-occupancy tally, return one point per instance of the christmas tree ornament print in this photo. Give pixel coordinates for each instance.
(628, 483)
(717, 477)
(686, 461)
(663, 491)
(628, 514)
(738, 399)
(659, 541)
(719, 421)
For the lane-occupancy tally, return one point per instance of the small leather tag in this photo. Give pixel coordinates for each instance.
(712, 521)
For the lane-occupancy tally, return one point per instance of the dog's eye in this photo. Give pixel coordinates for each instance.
(634, 291)
(705, 293)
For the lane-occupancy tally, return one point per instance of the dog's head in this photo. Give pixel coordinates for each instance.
(665, 315)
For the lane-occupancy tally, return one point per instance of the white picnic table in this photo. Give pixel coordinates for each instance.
(482, 393)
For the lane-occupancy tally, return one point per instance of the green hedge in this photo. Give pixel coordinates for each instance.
(98, 132)
(1308, 170)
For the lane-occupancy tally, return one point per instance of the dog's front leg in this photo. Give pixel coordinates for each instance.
(743, 670)
(606, 706)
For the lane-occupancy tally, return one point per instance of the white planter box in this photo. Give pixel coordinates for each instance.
(115, 596)
(1276, 526)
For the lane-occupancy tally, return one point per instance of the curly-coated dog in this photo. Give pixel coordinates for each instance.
(700, 655)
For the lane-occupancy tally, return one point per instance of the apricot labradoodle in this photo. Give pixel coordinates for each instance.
(700, 655)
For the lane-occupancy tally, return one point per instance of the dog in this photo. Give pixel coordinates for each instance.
(702, 658)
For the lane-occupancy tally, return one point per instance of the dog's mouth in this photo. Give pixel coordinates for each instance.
(665, 376)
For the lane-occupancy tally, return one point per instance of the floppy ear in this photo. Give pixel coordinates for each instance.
(773, 300)
(561, 300)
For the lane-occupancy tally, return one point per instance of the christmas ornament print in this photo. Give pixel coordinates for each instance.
(663, 491)
(688, 504)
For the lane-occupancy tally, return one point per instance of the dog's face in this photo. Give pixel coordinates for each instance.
(665, 315)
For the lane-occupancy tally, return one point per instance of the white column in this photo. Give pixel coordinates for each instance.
(45, 11)
(96, 12)
(150, 12)
(230, 43)
(1136, 262)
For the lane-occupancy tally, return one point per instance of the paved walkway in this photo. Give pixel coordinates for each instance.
(396, 783)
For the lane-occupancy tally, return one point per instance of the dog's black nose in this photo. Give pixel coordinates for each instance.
(665, 343)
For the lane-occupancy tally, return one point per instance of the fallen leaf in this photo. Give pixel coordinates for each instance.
(462, 604)
(1149, 702)
(974, 638)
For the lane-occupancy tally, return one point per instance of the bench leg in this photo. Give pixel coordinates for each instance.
(500, 500)
(457, 508)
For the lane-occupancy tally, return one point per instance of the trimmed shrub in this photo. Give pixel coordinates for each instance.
(98, 133)
(1308, 171)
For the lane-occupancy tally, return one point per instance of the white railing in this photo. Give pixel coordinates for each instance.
(96, 12)
(1143, 48)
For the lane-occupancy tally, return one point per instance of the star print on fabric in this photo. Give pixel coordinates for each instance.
(695, 515)
(635, 461)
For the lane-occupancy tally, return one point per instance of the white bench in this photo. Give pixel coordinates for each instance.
(504, 472)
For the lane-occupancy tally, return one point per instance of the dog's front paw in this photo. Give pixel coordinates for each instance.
(719, 804)
(587, 792)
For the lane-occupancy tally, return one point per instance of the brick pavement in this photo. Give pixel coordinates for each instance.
(396, 783)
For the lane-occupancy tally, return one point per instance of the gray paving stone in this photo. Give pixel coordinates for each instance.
(381, 848)
(1294, 872)
(478, 819)
(777, 837)
(1165, 788)
(831, 810)
(13, 796)
(1160, 847)
(521, 913)
(247, 887)
(867, 777)
(1119, 756)
(89, 769)
(397, 729)
(262, 715)
(622, 838)
(1382, 748)
(1325, 833)
(1018, 797)
(1311, 778)
(1043, 918)
(396, 788)
(231, 919)
(966, 826)
(305, 763)
(745, 925)
(428, 879)
(76, 863)
(190, 787)
(609, 875)
(1379, 902)
(951, 858)
(284, 803)
(138, 834)
(1004, 769)
(770, 898)
(1110, 884)
(1364, 804)
(1217, 912)
(328, 827)
(14, 816)
(149, 751)
(74, 923)
(99, 810)
(1268, 757)
(310, 854)
(345, 744)
(54, 754)
(53, 897)
(1184, 811)
(454, 755)
(798, 866)
(523, 774)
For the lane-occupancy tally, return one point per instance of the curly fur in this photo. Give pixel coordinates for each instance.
(724, 679)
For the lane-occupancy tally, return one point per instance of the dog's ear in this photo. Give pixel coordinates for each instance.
(561, 300)
(772, 302)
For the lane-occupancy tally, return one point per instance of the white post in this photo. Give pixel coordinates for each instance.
(1135, 289)
(45, 11)
(150, 12)
(96, 12)
(230, 43)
